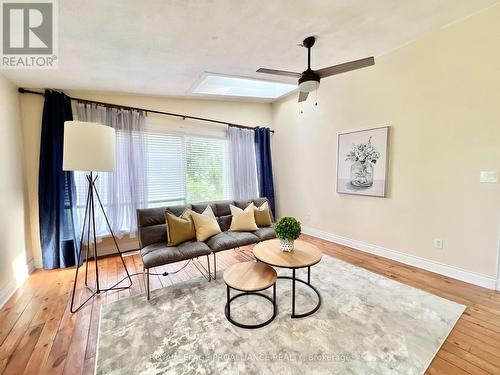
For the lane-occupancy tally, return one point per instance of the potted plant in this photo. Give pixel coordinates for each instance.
(287, 230)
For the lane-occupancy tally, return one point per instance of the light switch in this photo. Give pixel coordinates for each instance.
(490, 177)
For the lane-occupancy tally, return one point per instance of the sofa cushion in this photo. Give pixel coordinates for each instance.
(242, 203)
(158, 254)
(243, 238)
(179, 229)
(201, 207)
(224, 222)
(260, 201)
(222, 241)
(151, 223)
(206, 224)
(223, 208)
(266, 233)
(263, 215)
(178, 210)
(243, 220)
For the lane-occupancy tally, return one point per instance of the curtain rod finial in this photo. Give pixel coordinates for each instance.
(21, 90)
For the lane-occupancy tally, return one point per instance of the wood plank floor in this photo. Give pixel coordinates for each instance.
(38, 334)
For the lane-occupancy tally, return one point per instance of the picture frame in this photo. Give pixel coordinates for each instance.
(363, 162)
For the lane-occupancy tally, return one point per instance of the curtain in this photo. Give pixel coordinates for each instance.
(264, 164)
(242, 163)
(124, 190)
(56, 189)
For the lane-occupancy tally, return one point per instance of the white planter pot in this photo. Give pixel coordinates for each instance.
(286, 245)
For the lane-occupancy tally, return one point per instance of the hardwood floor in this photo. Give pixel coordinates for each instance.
(38, 334)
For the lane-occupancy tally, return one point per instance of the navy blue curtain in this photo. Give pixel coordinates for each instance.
(56, 189)
(264, 164)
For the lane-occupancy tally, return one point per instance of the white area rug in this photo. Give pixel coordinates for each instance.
(367, 324)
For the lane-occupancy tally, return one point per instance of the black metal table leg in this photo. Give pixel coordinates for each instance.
(293, 292)
(228, 301)
(308, 283)
(227, 309)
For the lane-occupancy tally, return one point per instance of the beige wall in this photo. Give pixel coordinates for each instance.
(14, 250)
(441, 95)
(251, 114)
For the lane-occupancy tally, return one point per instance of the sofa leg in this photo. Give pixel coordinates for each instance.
(146, 274)
(208, 265)
(215, 267)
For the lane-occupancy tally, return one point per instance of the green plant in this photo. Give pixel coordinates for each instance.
(287, 228)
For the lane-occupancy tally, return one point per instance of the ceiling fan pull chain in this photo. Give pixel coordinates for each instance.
(301, 107)
(316, 98)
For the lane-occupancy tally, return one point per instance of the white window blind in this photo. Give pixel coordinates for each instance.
(166, 168)
(206, 169)
(185, 168)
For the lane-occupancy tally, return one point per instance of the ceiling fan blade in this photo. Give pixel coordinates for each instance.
(302, 96)
(345, 67)
(279, 72)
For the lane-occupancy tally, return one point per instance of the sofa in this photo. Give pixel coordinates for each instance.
(153, 235)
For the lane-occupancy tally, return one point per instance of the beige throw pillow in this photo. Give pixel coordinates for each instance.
(263, 215)
(179, 228)
(243, 220)
(206, 224)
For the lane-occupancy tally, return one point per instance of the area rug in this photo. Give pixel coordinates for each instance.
(367, 324)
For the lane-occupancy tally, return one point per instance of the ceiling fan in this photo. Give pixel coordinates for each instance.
(309, 79)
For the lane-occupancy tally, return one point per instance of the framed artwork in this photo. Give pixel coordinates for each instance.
(362, 162)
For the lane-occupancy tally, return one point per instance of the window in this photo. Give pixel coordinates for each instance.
(217, 84)
(182, 168)
(185, 168)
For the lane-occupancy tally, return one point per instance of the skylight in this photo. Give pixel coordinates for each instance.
(214, 84)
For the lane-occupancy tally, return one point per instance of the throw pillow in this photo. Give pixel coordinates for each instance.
(263, 215)
(179, 228)
(205, 224)
(243, 220)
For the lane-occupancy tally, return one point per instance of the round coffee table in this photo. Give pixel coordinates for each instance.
(250, 278)
(303, 255)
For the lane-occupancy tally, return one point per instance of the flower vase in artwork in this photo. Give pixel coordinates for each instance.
(363, 156)
(362, 174)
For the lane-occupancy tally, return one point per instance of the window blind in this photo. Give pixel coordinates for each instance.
(206, 169)
(166, 168)
(185, 168)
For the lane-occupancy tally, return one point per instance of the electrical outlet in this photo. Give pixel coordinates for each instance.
(438, 243)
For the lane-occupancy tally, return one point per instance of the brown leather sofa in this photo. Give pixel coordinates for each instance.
(153, 235)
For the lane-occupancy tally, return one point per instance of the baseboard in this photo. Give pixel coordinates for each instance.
(412, 260)
(12, 286)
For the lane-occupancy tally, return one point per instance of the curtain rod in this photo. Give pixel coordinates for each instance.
(111, 105)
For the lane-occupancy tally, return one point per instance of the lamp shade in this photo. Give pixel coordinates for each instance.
(88, 147)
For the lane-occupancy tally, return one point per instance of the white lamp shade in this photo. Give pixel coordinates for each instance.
(88, 147)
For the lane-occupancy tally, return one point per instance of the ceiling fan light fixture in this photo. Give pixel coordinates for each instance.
(309, 79)
(308, 86)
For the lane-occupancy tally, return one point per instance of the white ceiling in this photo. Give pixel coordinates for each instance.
(163, 47)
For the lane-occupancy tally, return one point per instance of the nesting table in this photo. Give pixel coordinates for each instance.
(304, 255)
(250, 278)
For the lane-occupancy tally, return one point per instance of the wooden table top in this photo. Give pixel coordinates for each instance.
(250, 276)
(304, 254)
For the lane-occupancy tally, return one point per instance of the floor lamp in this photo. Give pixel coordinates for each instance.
(91, 147)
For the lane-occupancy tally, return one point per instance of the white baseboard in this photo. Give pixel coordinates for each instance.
(7, 291)
(412, 260)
